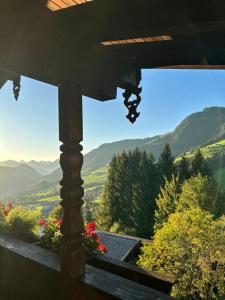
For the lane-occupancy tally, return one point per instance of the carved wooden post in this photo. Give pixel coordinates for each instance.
(71, 160)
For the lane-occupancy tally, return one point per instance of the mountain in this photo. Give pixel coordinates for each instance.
(201, 128)
(14, 180)
(9, 163)
(39, 166)
(42, 167)
(52, 166)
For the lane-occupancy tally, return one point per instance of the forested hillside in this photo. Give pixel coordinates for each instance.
(214, 155)
(198, 129)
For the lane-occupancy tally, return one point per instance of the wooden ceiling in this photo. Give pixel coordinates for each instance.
(151, 39)
(61, 4)
(104, 44)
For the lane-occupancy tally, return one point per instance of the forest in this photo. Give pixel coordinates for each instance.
(179, 206)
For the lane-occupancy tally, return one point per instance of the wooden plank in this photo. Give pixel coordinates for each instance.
(115, 19)
(119, 287)
(157, 281)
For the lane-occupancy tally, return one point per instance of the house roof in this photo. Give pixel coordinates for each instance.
(103, 44)
(119, 246)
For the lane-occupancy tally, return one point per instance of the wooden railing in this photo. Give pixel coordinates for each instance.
(30, 272)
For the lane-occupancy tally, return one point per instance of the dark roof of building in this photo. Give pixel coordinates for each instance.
(119, 246)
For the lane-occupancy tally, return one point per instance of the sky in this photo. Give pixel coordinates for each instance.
(29, 127)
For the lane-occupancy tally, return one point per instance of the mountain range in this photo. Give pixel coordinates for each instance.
(197, 130)
(42, 167)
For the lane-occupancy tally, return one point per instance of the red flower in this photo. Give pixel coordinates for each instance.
(5, 210)
(90, 227)
(43, 223)
(93, 234)
(102, 248)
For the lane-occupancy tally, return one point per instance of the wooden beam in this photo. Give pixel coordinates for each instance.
(3, 78)
(195, 67)
(116, 19)
(71, 160)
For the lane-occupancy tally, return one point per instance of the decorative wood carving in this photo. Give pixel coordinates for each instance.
(132, 105)
(16, 85)
(71, 160)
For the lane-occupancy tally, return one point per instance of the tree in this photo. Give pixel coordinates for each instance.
(87, 211)
(183, 169)
(166, 201)
(199, 165)
(128, 200)
(191, 246)
(166, 164)
(199, 191)
(220, 204)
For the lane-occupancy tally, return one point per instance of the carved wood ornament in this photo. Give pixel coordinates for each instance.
(132, 105)
(16, 86)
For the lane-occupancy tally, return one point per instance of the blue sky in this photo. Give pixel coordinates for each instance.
(29, 127)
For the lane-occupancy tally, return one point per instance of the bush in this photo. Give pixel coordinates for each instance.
(56, 213)
(22, 223)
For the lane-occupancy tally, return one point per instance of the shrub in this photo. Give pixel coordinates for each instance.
(4, 211)
(56, 213)
(22, 223)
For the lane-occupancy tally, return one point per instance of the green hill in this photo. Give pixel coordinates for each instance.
(215, 157)
(44, 194)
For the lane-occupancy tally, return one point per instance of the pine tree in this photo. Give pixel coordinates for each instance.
(199, 165)
(166, 164)
(128, 201)
(183, 169)
(144, 192)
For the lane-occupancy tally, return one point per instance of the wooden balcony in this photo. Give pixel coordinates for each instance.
(30, 272)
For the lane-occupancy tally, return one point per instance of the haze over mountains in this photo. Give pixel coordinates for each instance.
(15, 180)
(197, 130)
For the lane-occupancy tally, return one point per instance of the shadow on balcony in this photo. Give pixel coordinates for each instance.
(30, 272)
